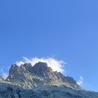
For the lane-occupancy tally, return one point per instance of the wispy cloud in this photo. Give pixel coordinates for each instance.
(3, 71)
(81, 80)
(56, 65)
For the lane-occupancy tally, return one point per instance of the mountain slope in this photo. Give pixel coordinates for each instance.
(39, 75)
(40, 81)
(9, 91)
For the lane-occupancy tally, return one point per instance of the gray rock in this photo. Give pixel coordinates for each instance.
(40, 81)
(39, 75)
(46, 92)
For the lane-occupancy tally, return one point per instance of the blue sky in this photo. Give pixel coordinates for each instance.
(65, 29)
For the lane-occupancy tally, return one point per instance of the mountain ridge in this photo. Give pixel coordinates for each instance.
(40, 73)
(40, 81)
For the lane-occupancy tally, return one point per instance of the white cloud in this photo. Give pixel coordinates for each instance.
(4, 75)
(19, 63)
(81, 80)
(3, 71)
(56, 65)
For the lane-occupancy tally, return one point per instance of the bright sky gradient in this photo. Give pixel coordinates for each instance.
(64, 29)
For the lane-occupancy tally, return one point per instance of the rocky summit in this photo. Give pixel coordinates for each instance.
(40, 81)
(39, 75)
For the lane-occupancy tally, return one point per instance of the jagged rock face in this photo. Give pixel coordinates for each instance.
(42, 70)
(39, 75)
(39, 81)
(17, 73)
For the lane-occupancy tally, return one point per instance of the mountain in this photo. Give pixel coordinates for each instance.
(40, 81)
(39, 75)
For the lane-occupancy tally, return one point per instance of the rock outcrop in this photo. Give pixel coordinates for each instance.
(40, 81)
(39, 75)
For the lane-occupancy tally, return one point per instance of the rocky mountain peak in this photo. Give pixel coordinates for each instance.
(41, 69)
(42, 66)
(39, 74)
(40, 81)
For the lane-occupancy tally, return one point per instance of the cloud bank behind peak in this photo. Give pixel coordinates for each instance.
(56, 65)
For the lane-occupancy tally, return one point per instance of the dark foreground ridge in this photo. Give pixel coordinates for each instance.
(40, 81)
